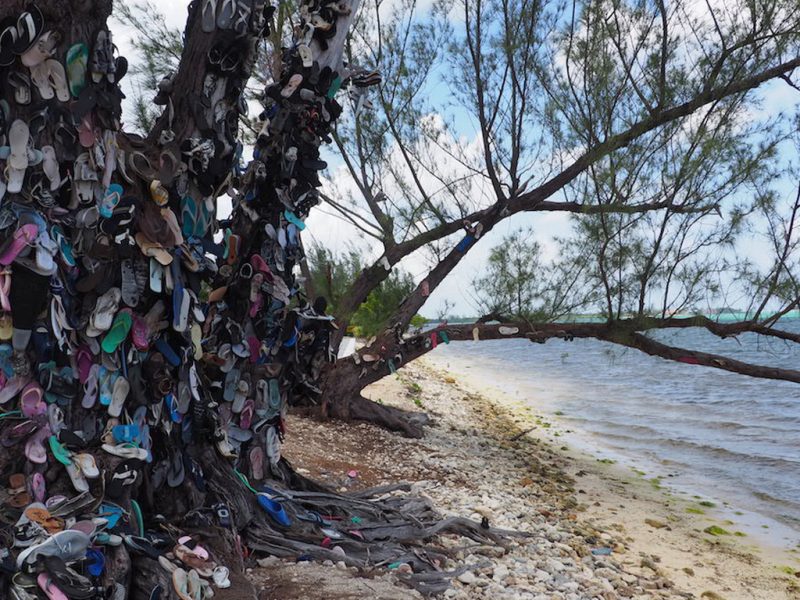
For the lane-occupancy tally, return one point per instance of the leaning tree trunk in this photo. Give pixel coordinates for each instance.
(151, 363)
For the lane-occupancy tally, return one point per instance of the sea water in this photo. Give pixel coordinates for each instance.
(726, 435)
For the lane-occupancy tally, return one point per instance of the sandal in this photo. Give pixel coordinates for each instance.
(77, 62)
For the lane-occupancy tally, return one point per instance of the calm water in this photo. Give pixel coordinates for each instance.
(731, 437)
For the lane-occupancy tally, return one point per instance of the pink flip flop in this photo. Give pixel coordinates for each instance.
(84, 360)
(12, 387)
(39, 487)
(86, 134)
(5, 290)
(34, 447)
(140, 333)
(24, 236)
(49, 588)
(31, 400)
(196, 549)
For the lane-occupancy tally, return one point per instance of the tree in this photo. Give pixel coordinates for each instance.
(331, 275)
(519, 285)
(152, 392)
(637, 116)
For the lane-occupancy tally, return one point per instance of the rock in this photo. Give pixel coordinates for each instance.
(554, 565)
(648, 564)
(490, 551)
(341, 565)
(467, 578)
(500, 573)
(689, 571)
(655, 524)
(269, 561)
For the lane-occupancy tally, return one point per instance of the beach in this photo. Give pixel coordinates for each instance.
(597, 528)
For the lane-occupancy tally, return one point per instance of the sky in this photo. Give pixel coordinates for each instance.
(454, 295)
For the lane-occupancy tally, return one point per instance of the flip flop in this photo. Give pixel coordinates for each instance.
(159, 193)
(32, 400)
(180, 583)
(5, 290)
(110, 200)
(273, 446)
(77, 62)
(189, 212)
(18, 138)
(40, 77)
(12, 388)
(90, 387)
(29, 27)
(49, 588)
(209, 20)
(257, 463)
(180, 299)
(8, 40)
(225, 14)
(50, 167)
(44, 48)
(240, 396)
(153, 249)
(63, 244)
(58, 79)
(21, 83)
(118, 396)
(34, 447)
(102, 316)
(87, 465)
(86, 134)
(60, 453)
(125, 474)
(294, 219)
(118, 332)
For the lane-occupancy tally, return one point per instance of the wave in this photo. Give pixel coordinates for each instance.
(761, 460)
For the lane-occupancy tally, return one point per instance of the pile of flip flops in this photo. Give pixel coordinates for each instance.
(134, 324)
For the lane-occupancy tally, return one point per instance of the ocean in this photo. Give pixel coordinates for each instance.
(709, 432)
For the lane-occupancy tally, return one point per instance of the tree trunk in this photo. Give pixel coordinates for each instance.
(342, 399)
(347, 377)
(194, 448)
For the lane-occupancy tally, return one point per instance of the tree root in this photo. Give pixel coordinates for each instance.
(410, 424)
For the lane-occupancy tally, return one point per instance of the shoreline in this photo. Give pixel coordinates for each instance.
(610, 484)
(768, 530)
(598, 529)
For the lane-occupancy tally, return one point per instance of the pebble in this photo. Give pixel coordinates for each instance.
(467, 578)
(521, 490)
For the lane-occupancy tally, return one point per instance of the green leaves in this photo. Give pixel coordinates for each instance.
(332, 274)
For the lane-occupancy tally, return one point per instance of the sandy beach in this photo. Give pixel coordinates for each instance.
(598, 529)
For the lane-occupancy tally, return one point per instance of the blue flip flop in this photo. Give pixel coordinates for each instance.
(274, 509)
(294, 219)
